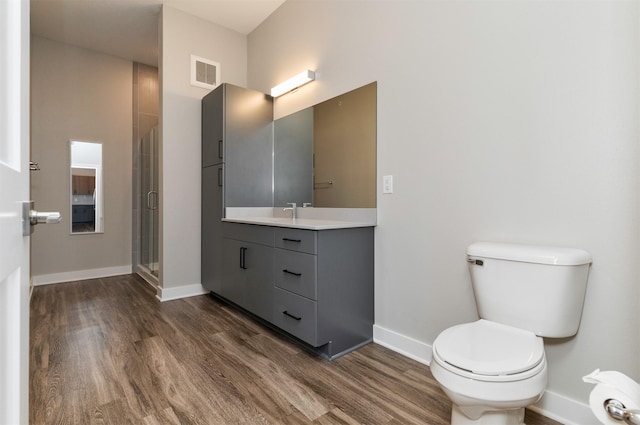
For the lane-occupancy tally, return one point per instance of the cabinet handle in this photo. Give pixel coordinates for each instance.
(286, 313)
(290, 272)
(220, 149)
(220, 177)
(292, 240)
(243, 258)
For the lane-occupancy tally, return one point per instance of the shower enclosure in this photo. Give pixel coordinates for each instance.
(148, 206)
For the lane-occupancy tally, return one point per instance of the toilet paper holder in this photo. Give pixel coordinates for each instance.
(616, 410)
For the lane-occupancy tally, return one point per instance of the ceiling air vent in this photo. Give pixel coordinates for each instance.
(205, 73)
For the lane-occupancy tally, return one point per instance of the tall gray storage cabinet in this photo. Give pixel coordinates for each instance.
(237, 169)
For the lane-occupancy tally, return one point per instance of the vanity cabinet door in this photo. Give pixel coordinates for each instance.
(233, 272)
(213, 127)
(247, 271)
(258, 263)
(211, 242)
(248, 147)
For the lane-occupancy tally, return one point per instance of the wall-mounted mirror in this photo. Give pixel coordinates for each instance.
(326, 154)
(86, 187)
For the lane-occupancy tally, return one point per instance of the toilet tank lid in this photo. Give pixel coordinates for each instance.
(530, 253)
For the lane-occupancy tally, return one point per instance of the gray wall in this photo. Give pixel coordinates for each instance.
(181, 35)
(505, 121)
(84, 95)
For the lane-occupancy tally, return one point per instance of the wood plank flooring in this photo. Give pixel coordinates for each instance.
(106, 351)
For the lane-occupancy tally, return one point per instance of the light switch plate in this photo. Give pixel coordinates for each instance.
(387, 184)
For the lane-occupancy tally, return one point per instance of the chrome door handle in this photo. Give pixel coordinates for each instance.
(38, 217)
(31, 217)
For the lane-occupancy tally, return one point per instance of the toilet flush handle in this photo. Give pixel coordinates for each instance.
(475, 261)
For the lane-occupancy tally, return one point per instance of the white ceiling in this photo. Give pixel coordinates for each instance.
(129, 28)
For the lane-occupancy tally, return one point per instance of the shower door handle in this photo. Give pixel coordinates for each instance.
(152, 194)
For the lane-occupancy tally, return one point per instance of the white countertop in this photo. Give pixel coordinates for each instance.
(320, 219)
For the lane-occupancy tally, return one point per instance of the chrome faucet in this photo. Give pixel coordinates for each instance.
(292, 209)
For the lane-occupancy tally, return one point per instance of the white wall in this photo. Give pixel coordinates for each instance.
(181, 35)
(506, 121)
(81, 95)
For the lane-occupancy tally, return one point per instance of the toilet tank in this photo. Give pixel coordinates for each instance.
(537, 288)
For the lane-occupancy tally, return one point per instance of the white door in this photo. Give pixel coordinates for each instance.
(14, 188)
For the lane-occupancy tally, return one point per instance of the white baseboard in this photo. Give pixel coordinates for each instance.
(47, 279)
(564, 410)
(168, 294)
(557, 407)
(407, 346)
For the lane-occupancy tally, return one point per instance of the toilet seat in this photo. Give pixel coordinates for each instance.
(489, 351)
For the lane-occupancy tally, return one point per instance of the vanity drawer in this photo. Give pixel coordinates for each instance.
(296, 240)
(262, 235)
(296, 272)
(296, 315)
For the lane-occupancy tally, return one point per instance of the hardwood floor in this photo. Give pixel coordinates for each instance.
(106, 351)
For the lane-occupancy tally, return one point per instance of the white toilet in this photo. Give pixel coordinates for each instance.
(493, 368)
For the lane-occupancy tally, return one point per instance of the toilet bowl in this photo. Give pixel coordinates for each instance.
(490, 371)
(493, 368)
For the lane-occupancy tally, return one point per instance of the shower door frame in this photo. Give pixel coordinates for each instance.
(148, 202)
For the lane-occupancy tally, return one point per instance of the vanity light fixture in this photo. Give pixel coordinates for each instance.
(293, 83)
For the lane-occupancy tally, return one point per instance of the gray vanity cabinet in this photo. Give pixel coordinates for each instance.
(315, 285)
(237, 130)
(83, 214)
(324, 287)
(237, 144)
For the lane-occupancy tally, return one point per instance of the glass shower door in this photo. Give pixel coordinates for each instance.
(149, 202)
